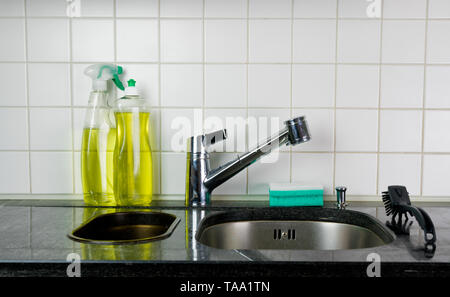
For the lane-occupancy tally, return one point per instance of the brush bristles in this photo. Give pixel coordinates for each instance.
(387, 203)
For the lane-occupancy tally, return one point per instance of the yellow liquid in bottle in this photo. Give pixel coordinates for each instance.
(97, 166)
(133, 176)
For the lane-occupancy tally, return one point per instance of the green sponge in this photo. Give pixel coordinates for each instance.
(295, 195)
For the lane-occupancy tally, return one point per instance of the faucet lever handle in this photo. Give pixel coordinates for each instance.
(214, 137)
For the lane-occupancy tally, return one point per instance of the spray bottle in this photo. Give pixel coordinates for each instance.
(133, 173)
(99, 135)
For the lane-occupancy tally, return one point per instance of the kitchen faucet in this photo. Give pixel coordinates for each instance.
(201, 180)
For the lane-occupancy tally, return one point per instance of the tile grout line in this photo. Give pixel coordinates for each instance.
(247, 61)
(377, 178)
(243, 107)
(291, 160)
(159, 97)
(225, 18)
(27, 84)
(228, 63)
(422, 158)
(72, 109)
(336, 52)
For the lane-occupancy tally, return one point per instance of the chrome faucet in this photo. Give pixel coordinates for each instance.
(201, 180)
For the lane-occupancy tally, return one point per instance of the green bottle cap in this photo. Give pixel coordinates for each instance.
(131, 83)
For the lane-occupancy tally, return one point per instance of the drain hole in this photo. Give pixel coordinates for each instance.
(289, 234)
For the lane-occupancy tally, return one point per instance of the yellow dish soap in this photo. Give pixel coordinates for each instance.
(98, 140)
(133, 167)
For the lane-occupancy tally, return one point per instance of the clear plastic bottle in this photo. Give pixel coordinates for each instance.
(98, 141)
(133, 167)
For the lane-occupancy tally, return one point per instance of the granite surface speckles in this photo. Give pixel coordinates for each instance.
(35, 233)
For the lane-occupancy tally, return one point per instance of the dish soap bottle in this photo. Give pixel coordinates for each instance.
(133, 172)
(98, 139)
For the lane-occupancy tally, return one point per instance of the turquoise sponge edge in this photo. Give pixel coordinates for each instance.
(296, 198)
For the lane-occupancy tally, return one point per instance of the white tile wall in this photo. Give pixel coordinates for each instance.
(374, 88)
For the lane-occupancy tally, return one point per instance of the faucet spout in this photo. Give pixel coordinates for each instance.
(201, 180)
(218, 176)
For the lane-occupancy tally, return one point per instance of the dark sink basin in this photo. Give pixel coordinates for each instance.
(305, 228)
(125, 228)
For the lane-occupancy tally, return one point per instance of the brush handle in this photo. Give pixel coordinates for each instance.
(427, 226)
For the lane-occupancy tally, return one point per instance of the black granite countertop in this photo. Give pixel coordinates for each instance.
(33, 242)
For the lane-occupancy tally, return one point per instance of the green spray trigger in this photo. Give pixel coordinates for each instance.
(115, 71)
(117, 82)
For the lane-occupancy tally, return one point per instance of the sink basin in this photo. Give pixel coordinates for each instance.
(304, 228)
(125, 228)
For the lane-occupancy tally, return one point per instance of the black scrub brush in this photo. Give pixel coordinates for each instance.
(397, 203)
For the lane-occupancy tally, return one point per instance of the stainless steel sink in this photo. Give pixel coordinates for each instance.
(302, 228)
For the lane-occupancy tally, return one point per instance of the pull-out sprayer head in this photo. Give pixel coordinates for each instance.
(297, 130)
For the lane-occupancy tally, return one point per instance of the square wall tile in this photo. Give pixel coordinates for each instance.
(262, 173)
(51, 129)
(46, 8)
(359, 41)
(181, 41)
(156, 161)
(269, 85)
(313, 85)
(359, 9)
(13, 129)
(263, 123)
(401, 86)
(82, 85)
(40, 94)
(270, 41)
(358, 172)
(147, 81)
(51, 172)
(234, 186)
(13, 84)
(315, 9)
(97, 8)
(77, 173)
(137, 40)
(234, 121)
(137, 8)
(225, 85)
(437, 133)
(181, 85)
(437, 87)
(357, 86)
(177, 125)
(13, 30)
(403, 42)
(436, 170)
(173, 173)
(229, 8)
(270, 8)
(11, 8)
(92, 40)
(226, 41)
(313, 169)
(438, 44)
(400, 130)
(181, 8)
(439, 9)
(404, 8)
(314, 41)
(397, 169)
(356, 130)
(321, 126)
(48, 47)
(14, 173)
